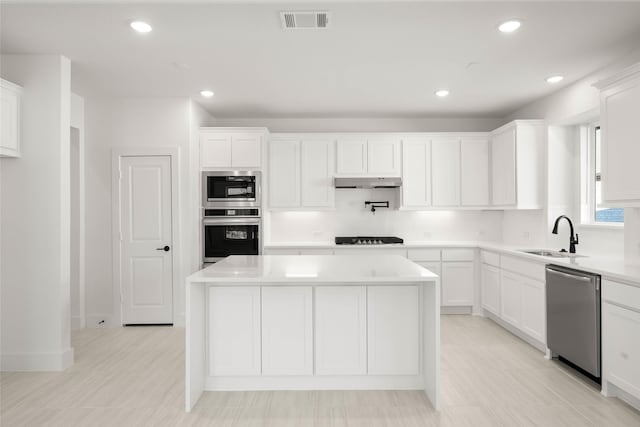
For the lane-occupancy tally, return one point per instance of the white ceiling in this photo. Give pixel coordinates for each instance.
(377, 58)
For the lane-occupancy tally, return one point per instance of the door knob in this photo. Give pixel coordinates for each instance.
(166, 249)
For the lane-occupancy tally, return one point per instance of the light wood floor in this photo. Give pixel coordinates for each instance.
(135, 376)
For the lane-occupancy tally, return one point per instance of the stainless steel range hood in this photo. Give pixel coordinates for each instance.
(367, 182)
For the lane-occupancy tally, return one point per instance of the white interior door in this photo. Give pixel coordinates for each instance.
(146, 256)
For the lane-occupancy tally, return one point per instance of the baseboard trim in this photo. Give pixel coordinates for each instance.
(615, 391)
(179, 321)
(515, 331)
(317, 382)
(455, 310)
(36, 362)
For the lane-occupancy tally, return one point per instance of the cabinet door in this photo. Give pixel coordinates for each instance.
(383, 158)
(393, 330)
(215, 150)
(284, 174)
(9, 119)
(341, 330)
(491, 289)
(620, 148)
(317, 174)
(621, 348)
(474, 172)
(287, 331)
(234, 331)
(352, 157)
(445, 171)
(416, 171)
(511, 298)
(457, 283)
(534, 309)
(246, 151)
(503, 168)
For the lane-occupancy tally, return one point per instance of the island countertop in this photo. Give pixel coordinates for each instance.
(316, 269)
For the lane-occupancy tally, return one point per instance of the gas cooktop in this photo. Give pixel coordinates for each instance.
(368, 240)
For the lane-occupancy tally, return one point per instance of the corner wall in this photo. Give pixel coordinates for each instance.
(35, 220)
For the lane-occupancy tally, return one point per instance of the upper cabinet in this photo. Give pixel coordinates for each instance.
(10, 96)
(619, 106)
(231, 147)
(369, 156)
(445, 171)
(517, 165)
(301, 170)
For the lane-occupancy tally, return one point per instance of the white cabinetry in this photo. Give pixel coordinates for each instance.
(474, 176)
(372, 156)
(393, 330)
(231, 147)
(511, 298)
(445, 171)
(491, 288)
(10, 100)
(301, 173)
(517, 165)
(416, 173)
(458, 277)
(534, 309)
(341, 330)
(234, 331)
(621, 337)
(619, 106)
(287, 331)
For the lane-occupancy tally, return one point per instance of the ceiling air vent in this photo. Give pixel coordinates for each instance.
(304, 20)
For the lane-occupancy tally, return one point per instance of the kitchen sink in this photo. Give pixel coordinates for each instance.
(551, 254)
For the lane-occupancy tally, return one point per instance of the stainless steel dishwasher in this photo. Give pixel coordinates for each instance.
(573, 317)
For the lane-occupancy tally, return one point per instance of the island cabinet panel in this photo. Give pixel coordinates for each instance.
(341, 330)
(393, 330)
(234, 331)
(287, 330)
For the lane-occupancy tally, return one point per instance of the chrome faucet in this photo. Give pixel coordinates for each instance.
(573, 240)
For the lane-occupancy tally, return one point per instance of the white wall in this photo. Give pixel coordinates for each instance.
(148, 122)
(35, 220)
(371, 124)
(351, 218)
(77, 213)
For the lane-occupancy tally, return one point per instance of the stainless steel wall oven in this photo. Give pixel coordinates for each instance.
(230, 231)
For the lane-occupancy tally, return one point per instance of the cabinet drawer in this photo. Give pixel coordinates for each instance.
(529, 269)
(490, 258)
(424, 254)
(458, 254)
(618, 293)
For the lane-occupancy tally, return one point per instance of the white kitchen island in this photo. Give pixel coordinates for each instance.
(296, 322)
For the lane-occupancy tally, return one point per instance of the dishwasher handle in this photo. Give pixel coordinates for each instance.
(570, 276)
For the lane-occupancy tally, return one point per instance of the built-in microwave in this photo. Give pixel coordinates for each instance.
(230, 189)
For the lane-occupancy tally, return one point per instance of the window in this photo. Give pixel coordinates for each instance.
(599, 214)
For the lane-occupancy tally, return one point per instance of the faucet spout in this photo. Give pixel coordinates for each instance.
(573, 239)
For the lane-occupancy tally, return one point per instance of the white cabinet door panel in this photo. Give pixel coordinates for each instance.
(234, 331)
(215, 150)
(246, 151)
(383, 158)
(393, 330)
(284, 174)
(457, 283)
(317, 173)
(352, 157)
(287, 331)
(10, 97)
(503, 168)
(341, 330)
(491, 289)
(511, 298)
(534, 309)
(416, 171)
(621, 347)
(445, 171)
(474, 167)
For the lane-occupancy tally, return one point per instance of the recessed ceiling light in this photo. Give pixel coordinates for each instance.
(206, 93)
(554, 79)
(509, 26)
(141, 27)
(442, 93)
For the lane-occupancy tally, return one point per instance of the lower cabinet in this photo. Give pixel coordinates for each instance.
(490, 288)
(234, 331)
(341, 330)
(534, 309)
(393, 330)
(287, 330)
(511, 296)
(457, 283)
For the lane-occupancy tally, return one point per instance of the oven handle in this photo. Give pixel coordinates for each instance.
(230, 221)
